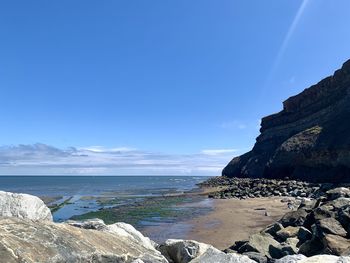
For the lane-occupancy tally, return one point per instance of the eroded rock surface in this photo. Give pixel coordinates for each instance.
(307, 140)
(23, 206)
(190, 251)
(23, 240)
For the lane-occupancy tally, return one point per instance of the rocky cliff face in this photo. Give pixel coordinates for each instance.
(309, 139)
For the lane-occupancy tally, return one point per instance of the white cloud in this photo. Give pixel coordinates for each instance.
(41, 159)
(218, 151)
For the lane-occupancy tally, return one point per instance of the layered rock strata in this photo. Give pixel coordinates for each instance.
(308, 140)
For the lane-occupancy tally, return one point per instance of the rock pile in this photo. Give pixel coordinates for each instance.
(243, 188)
(319, 226)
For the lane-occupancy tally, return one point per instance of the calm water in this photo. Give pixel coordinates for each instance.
(82, 191)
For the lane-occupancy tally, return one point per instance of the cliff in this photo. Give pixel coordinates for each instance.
(308, 140)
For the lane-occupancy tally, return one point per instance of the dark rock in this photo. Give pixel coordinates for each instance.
(294, 218)
(273, 229)
(311, 247)
(308, 140)
(304, 234)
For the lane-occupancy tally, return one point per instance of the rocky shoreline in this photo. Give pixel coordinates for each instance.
(318, 231)
(244, 188)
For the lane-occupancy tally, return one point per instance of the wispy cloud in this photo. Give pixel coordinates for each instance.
(219, 151)
(41, 159)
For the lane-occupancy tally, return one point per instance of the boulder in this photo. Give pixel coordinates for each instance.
(213, 255)
(325, 259)
(24, 240)
(256, 257)
(273, 229)
(314, 259)
(263, 244)
(182, 251)
(336, 245)
(23, 206)
(294, 218)
(338, 192)
(189, 251)
(289, 231)
(331, 226)
(339, 202)
(291, 259)
(304, 234)
(311, 247)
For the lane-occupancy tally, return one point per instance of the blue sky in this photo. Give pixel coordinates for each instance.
(161, 78)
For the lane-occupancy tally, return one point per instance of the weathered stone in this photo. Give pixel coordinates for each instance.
(289, 231)
(311, 247)
(294, 218)
(291, 259)
(23, 206)
(182, 251)
(263, 244)
(325, 259)
(331, 226)
(339, 203)
(256, 257)
(338, 192)
(304, 234)
(213, 255)
(24, 240)
(273, 229)
(336, 245)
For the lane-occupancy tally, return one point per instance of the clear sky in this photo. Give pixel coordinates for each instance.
(162, 79)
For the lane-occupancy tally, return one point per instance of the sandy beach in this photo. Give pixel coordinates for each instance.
(232, 220)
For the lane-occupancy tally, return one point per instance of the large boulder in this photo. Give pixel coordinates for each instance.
(23, 206)
(291, 259)
(190, 251)
(314, 259)
(264, 244)
(23, 240)
(336, 245)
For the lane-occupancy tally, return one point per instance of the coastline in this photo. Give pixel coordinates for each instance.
(233, 220)
(221, 222)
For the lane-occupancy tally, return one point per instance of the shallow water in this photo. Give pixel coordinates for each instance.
(86, 192)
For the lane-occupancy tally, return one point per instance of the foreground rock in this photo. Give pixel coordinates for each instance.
(189, 251)
(319, 226)
(23, 240)
(23, 206)
(314, 259)
(307, 140)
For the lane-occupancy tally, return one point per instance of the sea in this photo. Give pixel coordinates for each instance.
(82, 194)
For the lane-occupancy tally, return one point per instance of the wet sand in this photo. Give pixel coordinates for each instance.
(232, 220)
